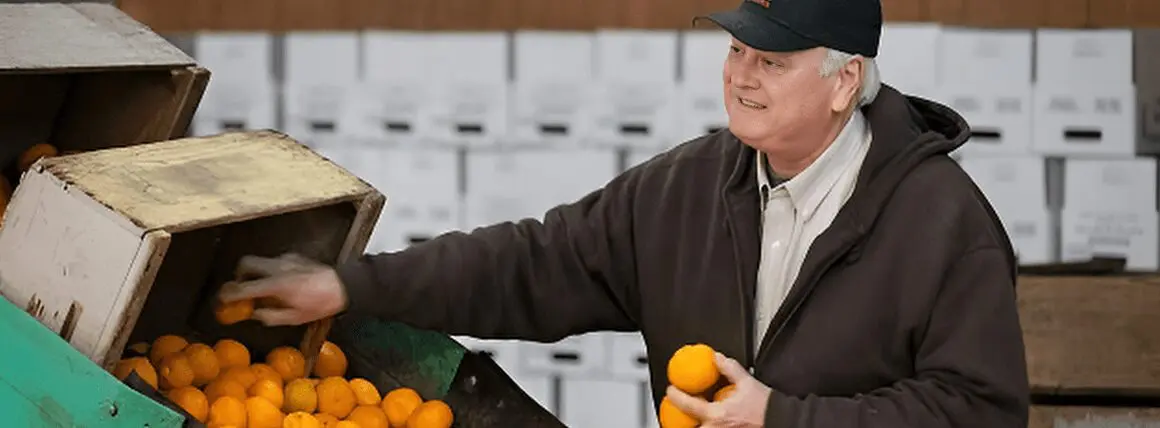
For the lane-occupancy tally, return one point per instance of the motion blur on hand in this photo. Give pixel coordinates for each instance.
(291, 289)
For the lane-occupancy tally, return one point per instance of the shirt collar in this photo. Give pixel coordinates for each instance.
(809, 188)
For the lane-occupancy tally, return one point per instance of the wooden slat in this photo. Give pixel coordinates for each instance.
(79, 38)
(1093, 417)
(196, 182)
(1092, 335)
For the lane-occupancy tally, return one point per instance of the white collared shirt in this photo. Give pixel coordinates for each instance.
(796, 211)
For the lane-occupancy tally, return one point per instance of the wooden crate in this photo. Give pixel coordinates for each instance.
(86, 76)
(1093, 417)
(122, 245)
(1092, 335)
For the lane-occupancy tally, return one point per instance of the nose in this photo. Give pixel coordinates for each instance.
(742, 78)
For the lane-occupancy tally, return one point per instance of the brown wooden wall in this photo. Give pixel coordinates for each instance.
(285, 15)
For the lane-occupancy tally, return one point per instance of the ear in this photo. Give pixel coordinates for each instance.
(849, 79)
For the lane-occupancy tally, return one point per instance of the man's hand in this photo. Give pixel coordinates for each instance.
(296, 290)
(744, 408)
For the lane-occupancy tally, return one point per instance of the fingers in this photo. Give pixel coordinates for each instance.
(250, 267)
(298, 260)
(693, 406)
(273, 317)
(732, 369)
(235, 290)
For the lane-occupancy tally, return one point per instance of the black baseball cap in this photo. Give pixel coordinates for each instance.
(852, 26)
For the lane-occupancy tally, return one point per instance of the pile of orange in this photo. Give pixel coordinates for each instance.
(219, 385)
(693, 370)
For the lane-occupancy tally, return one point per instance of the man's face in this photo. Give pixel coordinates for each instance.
(775, 99)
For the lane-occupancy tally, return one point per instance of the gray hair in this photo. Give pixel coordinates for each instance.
(871, 81)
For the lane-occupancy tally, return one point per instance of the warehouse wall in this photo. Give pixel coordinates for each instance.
(287, 15)
(464, 129)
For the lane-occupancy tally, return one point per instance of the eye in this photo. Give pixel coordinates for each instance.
(734, 49)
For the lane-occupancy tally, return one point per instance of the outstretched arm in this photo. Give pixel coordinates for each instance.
(571, 273)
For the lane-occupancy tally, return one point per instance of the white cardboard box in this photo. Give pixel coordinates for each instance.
(422, 185)
(628, 356)
(470, 104)
(506, 185)
(236, 56)
(636, 73)
(594, 403)
(1016, 186)
(1109, 208)
(908, 57)
(552, 96)
(395, 90)
(1092, 119)
(1075, 58)
(584, 356)
(241, 93)
(1084, 94)
(236, 105)
(321, 73)
(986, 77)
(701, 106)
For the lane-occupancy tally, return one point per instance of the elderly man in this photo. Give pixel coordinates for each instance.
(826, 243)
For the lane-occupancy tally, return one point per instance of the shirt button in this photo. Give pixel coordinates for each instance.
(776, 244)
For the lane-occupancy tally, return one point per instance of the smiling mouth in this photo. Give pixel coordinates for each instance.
(750, 104)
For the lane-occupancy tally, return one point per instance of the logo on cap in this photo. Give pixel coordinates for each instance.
(763, 3)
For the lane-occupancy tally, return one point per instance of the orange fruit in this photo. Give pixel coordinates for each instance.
(175, 371)
(288, 362)
(234, 312)
(227, 411)
(165, 345)
(139, 348)
(432, 414)
(262, 414)
(136, 364)
(331, 361)
(672, 417)
(269, 390)
(369, 417)
(231, 353)
(335, 397)
(724, 393)
(327, 421)
(301, 420)
(346, 424)
(264, 371)
(34, 153)
(365, 392)
(399, 404)
(242, 375)
(204, 362)
(192, 400)
(225, 388)
(300, 396)
(693, 368)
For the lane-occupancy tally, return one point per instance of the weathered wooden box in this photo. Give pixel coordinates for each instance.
(86, 76)
(122, 245)
(1093, 350)
(1092, 335)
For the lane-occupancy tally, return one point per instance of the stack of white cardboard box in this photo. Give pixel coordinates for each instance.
(467, 129)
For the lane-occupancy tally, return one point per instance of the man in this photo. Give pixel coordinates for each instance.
(849, 269)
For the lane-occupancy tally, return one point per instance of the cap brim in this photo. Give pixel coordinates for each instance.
(759, 32)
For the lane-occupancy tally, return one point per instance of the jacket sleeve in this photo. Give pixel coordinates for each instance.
(571, 273)
(970, 368)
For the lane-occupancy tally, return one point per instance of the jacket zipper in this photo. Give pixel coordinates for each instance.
(809, 285)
